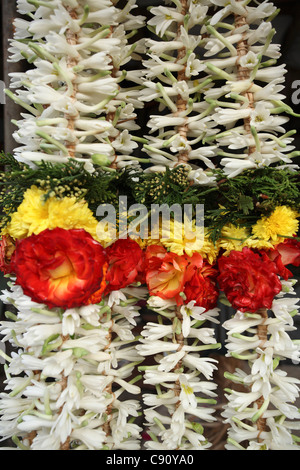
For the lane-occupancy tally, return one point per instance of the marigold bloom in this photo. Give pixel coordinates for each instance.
(209, 250)
(233, 238)
(183, 238)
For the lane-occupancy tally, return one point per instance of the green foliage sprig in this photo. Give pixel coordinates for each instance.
(244, 199)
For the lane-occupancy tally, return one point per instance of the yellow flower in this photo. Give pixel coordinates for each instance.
(144, 242)
(209, 250)
(182, 238)
(255, 243)
(233, 238)
(280, 224)
(35, 215)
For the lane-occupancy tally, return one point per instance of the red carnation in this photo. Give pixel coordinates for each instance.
(61, 268)
(202, 287)
(248, 279)
(126, 263)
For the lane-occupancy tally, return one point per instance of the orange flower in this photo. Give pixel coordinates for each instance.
(60, 268)
(165, 273)
(7, 248)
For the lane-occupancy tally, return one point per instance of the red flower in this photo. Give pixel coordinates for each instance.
(7, 248)
(289, 251)
(126, 263)
(61, 268)
(202, 287)
(165, 273)
(286, 253)
(248, 279)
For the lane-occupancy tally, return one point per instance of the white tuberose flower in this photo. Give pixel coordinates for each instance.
(188, 311)
(163, 18)
(187, 396)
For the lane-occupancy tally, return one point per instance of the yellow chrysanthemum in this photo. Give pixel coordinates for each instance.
(209, 250)
(144, 242)
(35, 215)
(182, 238)
(280, 224)
(233, 238)
(258, 244)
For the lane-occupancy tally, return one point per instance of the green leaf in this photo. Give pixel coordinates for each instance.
(245, 204)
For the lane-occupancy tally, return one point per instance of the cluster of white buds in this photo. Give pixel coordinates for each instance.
(79, 97)
(76, 389)
(263, 416)
(183, 380)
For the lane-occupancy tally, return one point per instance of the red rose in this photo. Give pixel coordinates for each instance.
(7, 248)
(248, 279)
(286, 253)
(126, 263)
(61, 268)
(202, 287)
(165, 273)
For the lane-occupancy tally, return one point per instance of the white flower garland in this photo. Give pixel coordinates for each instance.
(176, 78)
(75, 102)
(263, 416)
(243, 58)
(176, 411)
(77, 365)
(207, 82)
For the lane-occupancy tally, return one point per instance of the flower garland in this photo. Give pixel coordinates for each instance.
(197, 93)
(262, 416)
(77, 363)
(244, 61)
(176, 413)
(75, 102)
(78, 287)
(174, 78)
(77, 345)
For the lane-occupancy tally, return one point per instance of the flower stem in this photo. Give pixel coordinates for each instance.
(243, 73)
(262, 404)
